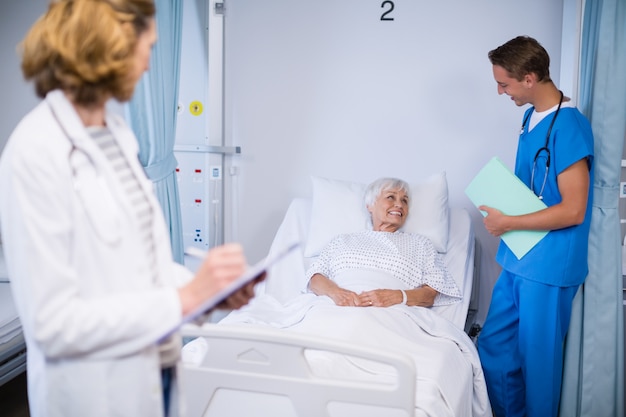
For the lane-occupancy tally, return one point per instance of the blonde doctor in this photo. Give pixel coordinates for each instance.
(86, 245)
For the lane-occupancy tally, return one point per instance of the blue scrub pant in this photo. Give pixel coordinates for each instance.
(521, 346)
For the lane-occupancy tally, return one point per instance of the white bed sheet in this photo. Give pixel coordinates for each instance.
(448, 379)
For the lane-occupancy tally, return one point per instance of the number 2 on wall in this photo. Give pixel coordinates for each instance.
(391, 6)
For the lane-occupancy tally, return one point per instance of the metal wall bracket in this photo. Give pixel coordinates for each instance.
(219, 8)
(224, 150)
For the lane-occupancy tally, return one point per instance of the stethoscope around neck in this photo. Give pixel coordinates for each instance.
(92, 190)
(95, 195)
(542, 149)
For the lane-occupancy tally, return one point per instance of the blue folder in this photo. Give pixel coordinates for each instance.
(497, 186)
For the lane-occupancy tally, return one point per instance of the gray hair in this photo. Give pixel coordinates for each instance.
(376, 188)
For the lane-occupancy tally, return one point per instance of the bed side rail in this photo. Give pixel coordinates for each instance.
(245, 364)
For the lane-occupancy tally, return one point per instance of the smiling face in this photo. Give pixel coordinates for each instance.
(519, 91)
(389, 210)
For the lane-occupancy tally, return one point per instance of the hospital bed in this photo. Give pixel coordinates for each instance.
(12, 344)
(248, 366)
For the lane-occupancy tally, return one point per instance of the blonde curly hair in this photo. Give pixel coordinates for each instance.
(86, 48)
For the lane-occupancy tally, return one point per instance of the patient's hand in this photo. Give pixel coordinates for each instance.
(345, 298)
(321, 285)
(380, 298)
(423, 296)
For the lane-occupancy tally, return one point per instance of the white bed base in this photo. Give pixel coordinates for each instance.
(12, 345)
(264, 371)
(12, 359)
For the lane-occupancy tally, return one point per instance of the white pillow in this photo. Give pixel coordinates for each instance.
(338, 208)
(429, 213)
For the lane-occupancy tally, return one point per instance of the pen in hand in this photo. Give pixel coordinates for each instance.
(239, 296)
(195, 252)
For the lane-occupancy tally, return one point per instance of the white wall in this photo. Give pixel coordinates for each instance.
(18, 96)
(325, 88)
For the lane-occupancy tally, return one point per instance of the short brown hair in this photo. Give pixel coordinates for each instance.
(521, 56)
(85, 47)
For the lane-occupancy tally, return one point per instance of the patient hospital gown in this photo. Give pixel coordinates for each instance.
(410, 258)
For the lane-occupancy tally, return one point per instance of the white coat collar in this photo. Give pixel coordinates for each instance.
(69, 121)
(71, 124)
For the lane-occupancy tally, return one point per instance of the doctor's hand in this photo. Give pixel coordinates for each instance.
(221, 266)
(495, 221)
(242, 296)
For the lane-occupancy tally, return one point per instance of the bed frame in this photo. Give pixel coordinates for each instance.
(243, 369)
(246, 370)
(12, 344)
(12, 359)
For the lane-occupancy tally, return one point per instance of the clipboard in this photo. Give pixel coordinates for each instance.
(497, 186)
(250, 275)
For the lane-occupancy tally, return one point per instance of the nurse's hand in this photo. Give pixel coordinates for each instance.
(222, 265)
(495, 221)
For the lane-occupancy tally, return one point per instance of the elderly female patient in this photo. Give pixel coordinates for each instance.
(352, 266)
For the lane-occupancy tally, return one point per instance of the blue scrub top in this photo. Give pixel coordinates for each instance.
(560, 258)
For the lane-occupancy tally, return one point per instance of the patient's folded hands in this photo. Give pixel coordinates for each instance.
(346, 298)
(380, 298)
(423, 296)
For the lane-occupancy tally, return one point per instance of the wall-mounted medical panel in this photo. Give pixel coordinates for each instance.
(193, 189)
(199, 126)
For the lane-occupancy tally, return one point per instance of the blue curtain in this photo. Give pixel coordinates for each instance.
(593, 380)
(152, 115)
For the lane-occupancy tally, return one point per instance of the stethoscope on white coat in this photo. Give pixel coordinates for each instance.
(95, 196)
(544, 148)
(93, 191)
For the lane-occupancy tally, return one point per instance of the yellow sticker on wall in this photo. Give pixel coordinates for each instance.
(195, 108)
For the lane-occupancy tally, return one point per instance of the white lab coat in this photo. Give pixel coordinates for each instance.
(89, 306)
